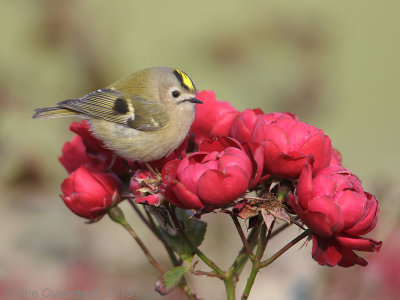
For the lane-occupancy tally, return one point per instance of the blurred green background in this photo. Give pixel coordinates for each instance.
(335, 64)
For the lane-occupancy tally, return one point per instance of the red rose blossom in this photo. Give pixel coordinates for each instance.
(86, 150)
(243, 125)
(287, 144)
(335, 207)
(75, 154)
(90, 193)
(212, 179)
(242, 130)
(213, 118)
(92, 143)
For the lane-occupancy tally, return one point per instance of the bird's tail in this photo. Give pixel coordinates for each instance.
(53, 112)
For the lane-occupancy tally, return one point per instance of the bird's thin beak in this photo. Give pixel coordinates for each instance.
(194, 100)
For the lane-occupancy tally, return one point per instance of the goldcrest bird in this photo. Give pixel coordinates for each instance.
(142, 117)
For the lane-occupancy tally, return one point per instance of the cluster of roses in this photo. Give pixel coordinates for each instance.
(228, 154)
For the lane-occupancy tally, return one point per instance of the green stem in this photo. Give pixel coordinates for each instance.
(183, 285)
(231, 276)
(153, 227)
(262, 243)
(243, 256)
(117, 216)
(230, 285)
(196, 250)
(187, 290)
(153, 224)
(156, 231)
(285, 248)
(209, 274)
(242, 237)
(144, 220)
(269, 235)
(203, 257)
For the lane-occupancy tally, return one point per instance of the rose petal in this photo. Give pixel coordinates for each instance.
(358, 243)
(183, 197)
(320, 147)
(212, 186)
(352, 206)
(305, 186)
(323, 216)
(349, 259)
(369, 219)
(326, 251)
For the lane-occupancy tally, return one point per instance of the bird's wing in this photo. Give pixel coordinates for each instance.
(113, 106)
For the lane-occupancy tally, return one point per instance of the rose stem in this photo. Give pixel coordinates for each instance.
(285, 248)
(242, 237)
(262, 243)
(117, 216)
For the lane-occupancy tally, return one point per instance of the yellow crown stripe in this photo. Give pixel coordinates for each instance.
(185, 80)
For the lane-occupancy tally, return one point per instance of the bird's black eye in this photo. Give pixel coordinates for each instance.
(176, 94)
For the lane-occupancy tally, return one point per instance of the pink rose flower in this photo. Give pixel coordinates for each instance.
(242, 130)
(287, 144)
(213, 118)
(75, 155)
(92, 143)
(335, 207)
(86, 150)
(207, 179)
(243, 125)
(90, 193)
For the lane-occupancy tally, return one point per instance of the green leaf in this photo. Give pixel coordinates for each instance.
(194, 230)
(173, 276)
(178, 244)
(166, 282)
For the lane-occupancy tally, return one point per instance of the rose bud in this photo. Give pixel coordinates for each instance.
(287, 144)
(213, 118)
(243, 124)
(204, 179)
(335, 207)
(75, 155)
(92, 143)
(90, 193)
(86, 150)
